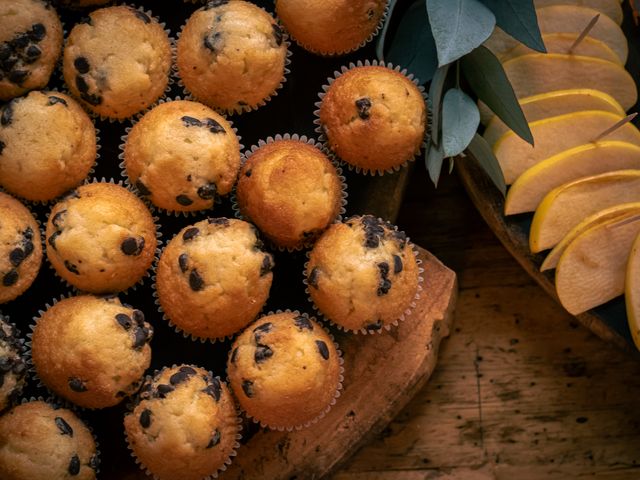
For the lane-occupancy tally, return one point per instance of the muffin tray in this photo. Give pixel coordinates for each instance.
(382, 371)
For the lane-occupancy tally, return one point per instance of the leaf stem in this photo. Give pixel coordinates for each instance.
(615, 127)
(584, 33)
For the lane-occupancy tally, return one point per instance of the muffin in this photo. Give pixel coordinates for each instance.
(101, 238)
(334, 27)
(20, 248)
(182, 156)
(30, 45)
(231, 55)
(290, 190)
(363, 274)
(374, 118)
(91, 351)
(47, 145)
(184, 425)
(213, 278)
(13, 367)
(39, 441)
(117, 62)
(285, 370)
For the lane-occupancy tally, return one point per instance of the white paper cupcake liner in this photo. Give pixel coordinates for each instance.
(322, 137)
(131, 186)
(240, 109)
(309, 141)
(385, 327)
(333, 401)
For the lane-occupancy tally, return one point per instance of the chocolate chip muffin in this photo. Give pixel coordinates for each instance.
(290, 190)
(363, 275)
(47, 145)
(213, 278)
(330, 28)
(285, 370)
(101, 238)
(20, 248)
(374, 118)
(13, 367)
(184, 425)
(117, 62)
(39, 441)
(182, 156)
(231, 55)
(30, 45)
(93, 351)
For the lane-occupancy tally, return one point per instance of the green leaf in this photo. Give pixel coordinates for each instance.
(486, 77)
(433, 160)
(518, 18)
(460, 120)
(380, 47)
(435, 95)
(413, 46)
(458, 26)
(482, 152)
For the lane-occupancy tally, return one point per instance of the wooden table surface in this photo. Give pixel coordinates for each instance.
(521, 390)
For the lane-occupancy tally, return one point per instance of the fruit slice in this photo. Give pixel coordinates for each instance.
(592, 269)
(567, 19)
(632, 291)
(567, 205)
(556, 134)
(530, 188)
(562, 42)
(608, 215)
(552, 104)
(538, 73)
(611, 8)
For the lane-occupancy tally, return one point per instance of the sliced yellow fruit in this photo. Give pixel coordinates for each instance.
(608, 215)
(530, 188)
(567, 19)
(539, 73)
(562, 42)
(554, 103)
(592, 269)
(611, 8)
(556, 134)
(567, 205)
(632, 291)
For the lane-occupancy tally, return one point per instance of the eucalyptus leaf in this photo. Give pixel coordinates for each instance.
(433, 159)
(435, 95)
(487, 79)
(380, 43)
(413, 46)
(482, 152)
(460, 120)
(518, 18)
(459, 26)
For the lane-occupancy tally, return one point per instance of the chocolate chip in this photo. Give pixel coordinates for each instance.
(142, 337)
(214, 389)
(5, 364)
(16, 256)
(247, 388)
(132, 246)
(277, 34)
(77, 385)
(142, 188)
(178, 377)
(164, 390)
(10, 278)
(216, 3)
(385, 284)
(264, 328)
(223, 221)
(124, 321)
(53, 100)
(63, 426)
(2, 145)
(19, 367)
(52, 239)
(207, 192)
(32, 54)
(187, 370)
(91, 98)
(400, 237)
(234, 355)
(8, 64)
(267, 265)
(81, 84)
(5, 51)
(82, 65)
(7, 115)
(71, 267)
(145, 418)
(74, 465)
(27, 246)
(213, 126)
(138, 317)
(312, 279)
(37, 32)
(363, 105)
(190, 233)
(183, 260)
(94, 462)
(373, 231)
(184, 200)
(20, 41)
(212, 42)
(323, 349)
(248, 172)
(142, 16)
(303, 323)
(215, 440)
(191, 121)
(262, 353)
(195, 281)
(397, 264)
(374, 326)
